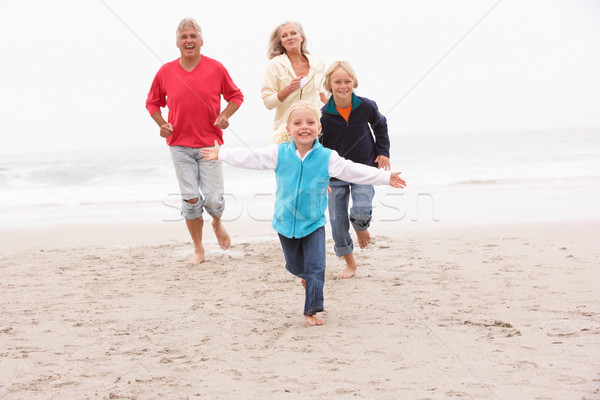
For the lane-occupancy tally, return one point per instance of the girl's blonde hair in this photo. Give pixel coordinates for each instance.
(275, 46)
(302, 105)
(345, 65)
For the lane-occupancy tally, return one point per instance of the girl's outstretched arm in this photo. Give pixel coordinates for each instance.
(243, 157)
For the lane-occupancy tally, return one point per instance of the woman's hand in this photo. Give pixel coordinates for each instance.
(289, 89)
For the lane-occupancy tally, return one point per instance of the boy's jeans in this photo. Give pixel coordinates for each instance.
(360, 213)
(305, 258)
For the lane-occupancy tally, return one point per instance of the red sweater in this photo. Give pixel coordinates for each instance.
(193, 99)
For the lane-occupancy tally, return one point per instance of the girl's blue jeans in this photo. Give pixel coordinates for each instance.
(305, 258)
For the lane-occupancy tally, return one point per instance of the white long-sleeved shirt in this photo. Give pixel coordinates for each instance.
(339, 167)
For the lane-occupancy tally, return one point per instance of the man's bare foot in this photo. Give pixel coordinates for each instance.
(350, 266)
(197, 259)
(313, 320)
(364, 238)
(221, 234)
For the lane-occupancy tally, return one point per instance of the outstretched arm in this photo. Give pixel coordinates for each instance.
(349, 171)
(242, 157)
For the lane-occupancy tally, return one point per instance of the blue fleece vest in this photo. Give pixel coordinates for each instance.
(301, 197)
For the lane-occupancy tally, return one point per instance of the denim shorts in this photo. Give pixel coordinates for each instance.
(198, 179)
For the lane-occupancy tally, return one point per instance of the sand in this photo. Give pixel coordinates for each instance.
(110, 311)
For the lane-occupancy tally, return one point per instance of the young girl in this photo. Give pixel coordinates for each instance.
(302, 170)
(354, 128)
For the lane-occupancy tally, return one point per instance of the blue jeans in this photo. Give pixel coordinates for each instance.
(360, 213)
(305, 258)
(198, 179)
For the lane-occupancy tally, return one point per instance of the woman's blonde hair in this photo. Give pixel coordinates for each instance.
(188, 23)
(275, 46)
(345, 65)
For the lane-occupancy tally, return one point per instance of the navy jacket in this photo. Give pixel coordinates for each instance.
(362, 138)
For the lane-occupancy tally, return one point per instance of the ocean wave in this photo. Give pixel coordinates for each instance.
(126, 176)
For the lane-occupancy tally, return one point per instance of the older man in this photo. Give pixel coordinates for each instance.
(191, 87)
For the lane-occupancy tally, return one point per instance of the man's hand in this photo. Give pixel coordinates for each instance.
(222, 121)
(166, 130)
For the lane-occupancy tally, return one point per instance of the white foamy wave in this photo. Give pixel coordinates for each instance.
(129, 176)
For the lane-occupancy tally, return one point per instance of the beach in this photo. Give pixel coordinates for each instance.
(481, 281)
(111, 311)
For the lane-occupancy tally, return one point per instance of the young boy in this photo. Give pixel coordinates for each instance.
(354, 127)
(302, 170)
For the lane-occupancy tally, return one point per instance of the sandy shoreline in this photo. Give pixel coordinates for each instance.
(480, 312)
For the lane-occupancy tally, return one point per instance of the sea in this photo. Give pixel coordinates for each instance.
(547, 174)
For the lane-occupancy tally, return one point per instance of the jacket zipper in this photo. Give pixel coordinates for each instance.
(302, 88)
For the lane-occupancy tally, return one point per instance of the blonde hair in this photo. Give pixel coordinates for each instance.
(345, 65)
(276, 48)
(302, 105)
(188, 23)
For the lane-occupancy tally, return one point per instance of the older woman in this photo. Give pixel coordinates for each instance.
(292, 74)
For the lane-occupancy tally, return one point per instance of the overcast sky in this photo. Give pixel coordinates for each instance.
(75, 74)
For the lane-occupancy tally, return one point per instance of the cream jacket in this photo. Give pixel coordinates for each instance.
(278, 75)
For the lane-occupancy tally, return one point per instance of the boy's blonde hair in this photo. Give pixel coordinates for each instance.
(345, 65)
(302, 105)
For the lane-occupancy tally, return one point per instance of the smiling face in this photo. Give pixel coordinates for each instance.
(290, 37)
(304, 127)
(342, 86)
(189, 43)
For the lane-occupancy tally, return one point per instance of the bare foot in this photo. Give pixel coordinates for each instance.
(304, 283)
(350, 266)
(221, 234)
(364, 238)
(197, 259)
(313, 320)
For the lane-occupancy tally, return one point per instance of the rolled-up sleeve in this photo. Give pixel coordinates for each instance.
(230, 90)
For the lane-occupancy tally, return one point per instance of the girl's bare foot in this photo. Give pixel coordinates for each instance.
(197, 259)
(364, 238)
(221, 234)
(350, 266)
(313, 320)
